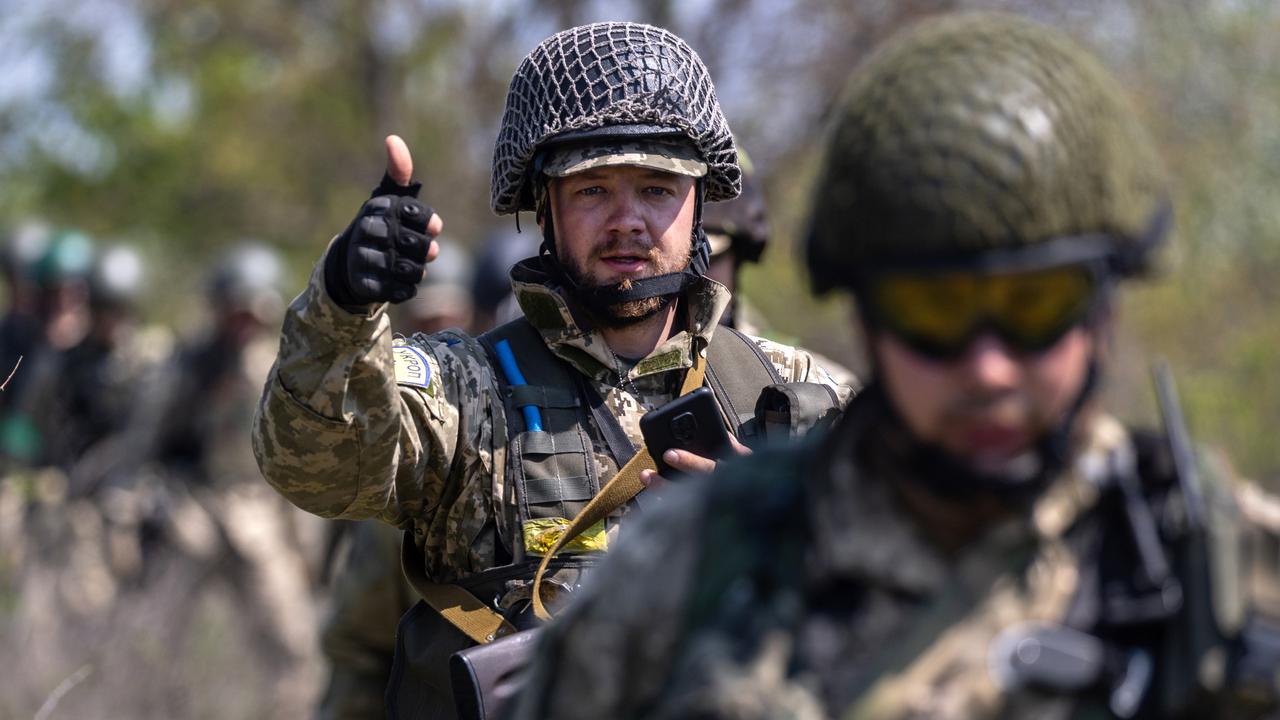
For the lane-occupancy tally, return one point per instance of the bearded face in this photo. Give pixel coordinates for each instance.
(592, 288)
(615, 225)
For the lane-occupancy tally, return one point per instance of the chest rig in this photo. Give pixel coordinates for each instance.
(553, 472)
(550, 475)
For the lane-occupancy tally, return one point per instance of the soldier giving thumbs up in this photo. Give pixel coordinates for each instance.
(382, 254)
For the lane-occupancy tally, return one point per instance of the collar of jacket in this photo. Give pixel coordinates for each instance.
(862, 532)
(585, 349)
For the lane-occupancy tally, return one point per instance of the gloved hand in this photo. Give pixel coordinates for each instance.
(382, 254)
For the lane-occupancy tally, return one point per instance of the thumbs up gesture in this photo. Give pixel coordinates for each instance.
(382, 254)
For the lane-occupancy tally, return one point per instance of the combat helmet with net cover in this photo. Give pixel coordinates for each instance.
(984, 139)
(613, 93)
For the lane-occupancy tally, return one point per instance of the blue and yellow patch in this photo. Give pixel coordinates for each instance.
(412, 366)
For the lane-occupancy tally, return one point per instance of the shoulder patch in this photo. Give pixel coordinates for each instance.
(412, 366)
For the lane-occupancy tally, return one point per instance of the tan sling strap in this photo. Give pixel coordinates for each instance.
(477, 620)
(455, 603)
(616, 493)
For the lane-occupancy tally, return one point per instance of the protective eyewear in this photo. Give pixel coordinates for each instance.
(939, 314)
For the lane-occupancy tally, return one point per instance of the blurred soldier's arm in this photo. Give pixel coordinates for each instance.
(703, 635)
(795, 364)
(359, 636)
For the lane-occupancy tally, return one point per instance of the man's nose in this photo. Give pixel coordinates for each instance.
(990, 363)
(625, 215)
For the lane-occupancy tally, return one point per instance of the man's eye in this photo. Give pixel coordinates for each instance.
(591, 190)
(659, 190)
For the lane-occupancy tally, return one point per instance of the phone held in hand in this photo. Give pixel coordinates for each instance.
(691, 422)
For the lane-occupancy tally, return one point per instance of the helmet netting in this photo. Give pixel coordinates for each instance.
(607, 74)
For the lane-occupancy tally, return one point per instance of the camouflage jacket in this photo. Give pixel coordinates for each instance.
(342, 431)
(795, 585)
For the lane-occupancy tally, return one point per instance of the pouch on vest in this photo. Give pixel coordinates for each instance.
(551, 475)
(792, 410)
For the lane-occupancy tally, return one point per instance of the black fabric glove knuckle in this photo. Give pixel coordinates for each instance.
(373, 232)
(403, 291)
(411, 245)
(369, 288)
(407, 271)
(377, 206)
(367, 260)
(413, 215)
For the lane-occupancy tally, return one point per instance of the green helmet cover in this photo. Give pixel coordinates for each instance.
(975, 133)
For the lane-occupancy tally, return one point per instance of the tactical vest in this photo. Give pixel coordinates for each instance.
(551, 475)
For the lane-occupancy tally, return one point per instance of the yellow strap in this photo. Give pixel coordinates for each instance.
(454, 603)
(616, 493)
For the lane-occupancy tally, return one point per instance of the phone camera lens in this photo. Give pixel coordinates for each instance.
(684, 427)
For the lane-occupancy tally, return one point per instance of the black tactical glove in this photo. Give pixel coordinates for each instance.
(381, 255)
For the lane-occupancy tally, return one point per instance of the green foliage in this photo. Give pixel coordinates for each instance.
(265, 119)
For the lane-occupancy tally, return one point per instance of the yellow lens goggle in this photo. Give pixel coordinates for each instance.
(941, 313)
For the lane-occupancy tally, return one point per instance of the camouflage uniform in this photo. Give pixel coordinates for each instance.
(340, 437)
(873, 574)
(795, 585)
(369, 596)
(415, 432)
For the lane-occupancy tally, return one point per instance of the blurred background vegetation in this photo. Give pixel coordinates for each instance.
(186, 126)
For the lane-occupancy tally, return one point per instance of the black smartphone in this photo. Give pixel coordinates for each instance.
(690, 422)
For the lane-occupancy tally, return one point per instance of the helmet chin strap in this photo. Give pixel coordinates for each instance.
(669, 284)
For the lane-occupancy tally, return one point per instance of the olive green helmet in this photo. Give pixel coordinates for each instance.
(977, 136)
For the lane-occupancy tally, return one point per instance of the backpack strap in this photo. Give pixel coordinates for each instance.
(549, 381)
(737, 371)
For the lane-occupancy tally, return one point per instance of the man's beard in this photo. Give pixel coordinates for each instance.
(591, 291)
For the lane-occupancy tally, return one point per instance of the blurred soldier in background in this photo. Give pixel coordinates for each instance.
(219, 517)
(977, 538)
(91, 396)
(737, 233)
(502, 248)
(85, 402)
(60, 320)
(370, 593)
(24, 245)
(443, 300)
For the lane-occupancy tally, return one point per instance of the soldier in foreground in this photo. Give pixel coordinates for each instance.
(976, 538)
(613, 137)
